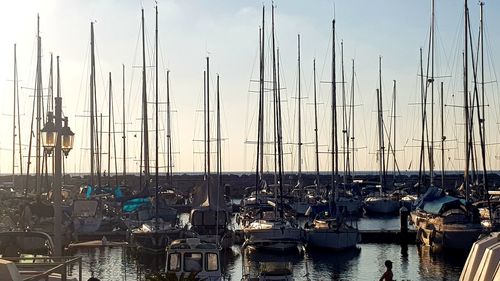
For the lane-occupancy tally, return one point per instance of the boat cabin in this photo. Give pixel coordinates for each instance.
(193, 256)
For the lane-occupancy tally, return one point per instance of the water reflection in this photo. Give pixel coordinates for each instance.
(365, 263)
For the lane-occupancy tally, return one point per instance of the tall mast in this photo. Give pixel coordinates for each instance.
(275, 94)
(110, 102)
(207, 112)
(334, 152)
(279, 134)
(38, 94)
(443, 138)
(299, 143)
(145, 106)
(204, 125)
(169, 135)
(482, 121)
(219, 148)
(124, 134)
(466, 101)
(380, 140)
(345, 137)
(394, 130)
(156, 113)
(262, 94)
(316, 140)
(431, 82)
(351, 130)
(92, 96)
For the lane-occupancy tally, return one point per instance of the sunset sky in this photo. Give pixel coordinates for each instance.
(227, 32)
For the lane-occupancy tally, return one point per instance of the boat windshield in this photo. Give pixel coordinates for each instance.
(212, 262)
(193, 262)
(174, 262)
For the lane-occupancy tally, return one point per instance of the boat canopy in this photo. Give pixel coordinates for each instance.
(434, 201)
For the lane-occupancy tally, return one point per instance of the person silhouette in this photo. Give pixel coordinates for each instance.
(387, 276)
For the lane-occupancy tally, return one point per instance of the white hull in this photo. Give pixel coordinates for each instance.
(332, 239)
(477, 259)
(278, 237)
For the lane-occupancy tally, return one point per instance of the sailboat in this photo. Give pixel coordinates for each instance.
(381, 202)
(329, 229)
(270, 230)
(444, 221)
(154, 235)
(209, 217)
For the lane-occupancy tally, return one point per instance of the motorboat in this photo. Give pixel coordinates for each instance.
(194, 257)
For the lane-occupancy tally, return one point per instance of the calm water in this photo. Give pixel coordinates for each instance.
(365, 263)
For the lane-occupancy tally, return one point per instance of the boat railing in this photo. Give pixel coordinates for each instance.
(35, 267)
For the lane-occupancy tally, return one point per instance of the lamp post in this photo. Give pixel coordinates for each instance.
(58, 139)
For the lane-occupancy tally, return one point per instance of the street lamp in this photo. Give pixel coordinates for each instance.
(49, 134)
(67, 138)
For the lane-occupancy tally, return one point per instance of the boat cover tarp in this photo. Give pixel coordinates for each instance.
(133, 205)
(435, 201)
(116, 191)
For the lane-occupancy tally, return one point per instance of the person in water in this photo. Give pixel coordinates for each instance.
(387, 276)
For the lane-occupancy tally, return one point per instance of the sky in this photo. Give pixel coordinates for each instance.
(227, 32)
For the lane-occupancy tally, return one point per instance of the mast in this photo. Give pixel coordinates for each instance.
(423, 100)
(145, 106)
(299, 143)
(316, 140)
(262, 94)
(482, 120)
(219, 157)
(169, 135)
(124, 134)
(351, 131)
(92, 96)
(110, 101)
(204, 125)
(345, 137)
(39, 96)
(380, 140)
(394, 132)
(431, 82)
(279, 134)
(207, 112)
(443, 138)
(466, 102)
(275, 94)
(334, 152)
(156, 113)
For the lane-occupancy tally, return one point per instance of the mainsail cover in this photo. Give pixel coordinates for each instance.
(209, 195)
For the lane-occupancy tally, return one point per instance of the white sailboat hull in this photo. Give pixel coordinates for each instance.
(276, 238)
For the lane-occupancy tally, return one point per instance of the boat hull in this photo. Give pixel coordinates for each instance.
(381, 206)
(275, 239)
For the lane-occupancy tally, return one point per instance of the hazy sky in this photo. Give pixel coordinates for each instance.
(227, 31)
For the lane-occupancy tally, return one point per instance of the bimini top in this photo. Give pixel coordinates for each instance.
(192, 244)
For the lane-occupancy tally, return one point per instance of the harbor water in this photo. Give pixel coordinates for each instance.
(410, 262)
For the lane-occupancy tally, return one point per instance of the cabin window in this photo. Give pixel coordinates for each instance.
(212, 262)
(174, 262)
(193, 262)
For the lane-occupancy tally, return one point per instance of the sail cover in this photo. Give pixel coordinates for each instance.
(209, 195)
